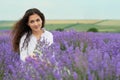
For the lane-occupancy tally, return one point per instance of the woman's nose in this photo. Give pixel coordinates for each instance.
(35, 23)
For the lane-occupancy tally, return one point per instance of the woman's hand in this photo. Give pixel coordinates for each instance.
(33, 56)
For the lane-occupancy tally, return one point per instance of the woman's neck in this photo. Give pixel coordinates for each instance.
(38, 34)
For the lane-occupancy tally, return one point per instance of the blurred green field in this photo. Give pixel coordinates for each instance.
(79, 25)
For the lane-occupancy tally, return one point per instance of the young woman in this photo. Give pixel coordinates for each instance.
(28, 31)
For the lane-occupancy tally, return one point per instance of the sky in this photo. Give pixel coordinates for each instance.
(62, 9)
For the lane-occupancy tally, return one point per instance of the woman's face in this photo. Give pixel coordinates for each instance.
(35, 22)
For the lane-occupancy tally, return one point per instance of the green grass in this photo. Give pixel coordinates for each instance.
(6, 25)
(55, 26)
(5, 28)
(102, 26)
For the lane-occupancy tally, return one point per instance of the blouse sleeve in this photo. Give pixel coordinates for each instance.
(48, 36)
(51, 39)
(23, 50)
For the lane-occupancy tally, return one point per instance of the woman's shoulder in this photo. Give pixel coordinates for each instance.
(48, 36)
(48, 33)
(24, 36)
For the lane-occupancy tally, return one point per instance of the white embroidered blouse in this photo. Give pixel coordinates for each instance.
(25, 52)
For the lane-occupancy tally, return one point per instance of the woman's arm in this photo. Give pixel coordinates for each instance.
(27, 51)
(23, 50)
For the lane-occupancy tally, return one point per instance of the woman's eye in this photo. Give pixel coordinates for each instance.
(32, 21)
(38, 20)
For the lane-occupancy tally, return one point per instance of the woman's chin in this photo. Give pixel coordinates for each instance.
(36, 30)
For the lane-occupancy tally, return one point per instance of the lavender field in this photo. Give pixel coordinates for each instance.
(73, 56)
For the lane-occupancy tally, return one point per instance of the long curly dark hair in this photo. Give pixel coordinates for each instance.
(21, 27)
